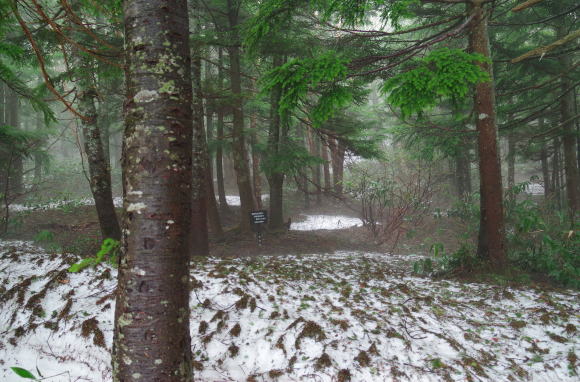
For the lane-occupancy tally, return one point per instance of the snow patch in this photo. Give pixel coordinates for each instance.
(315, 222)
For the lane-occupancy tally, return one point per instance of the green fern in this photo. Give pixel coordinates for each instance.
(109, 251)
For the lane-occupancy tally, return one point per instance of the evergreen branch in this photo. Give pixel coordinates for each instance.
(526, 4)
(41, 62)
(541, 51)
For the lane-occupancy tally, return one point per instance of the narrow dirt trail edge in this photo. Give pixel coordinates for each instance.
(322, 317)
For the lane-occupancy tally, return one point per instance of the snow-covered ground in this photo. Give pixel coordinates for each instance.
(117, 201)
(320, 317)
(534, 189)
(315, 222)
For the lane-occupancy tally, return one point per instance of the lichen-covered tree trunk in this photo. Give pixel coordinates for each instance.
(239, 151)
(152, 340)
(567, 113)
(99, 171)
(491, 231)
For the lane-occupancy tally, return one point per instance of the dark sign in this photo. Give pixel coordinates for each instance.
(259, 217)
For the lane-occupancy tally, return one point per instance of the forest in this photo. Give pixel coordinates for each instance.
(289, 190)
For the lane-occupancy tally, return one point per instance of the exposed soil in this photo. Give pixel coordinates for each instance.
(75, 229)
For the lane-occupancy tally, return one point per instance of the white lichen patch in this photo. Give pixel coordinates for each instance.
(136, 207)
(483, 116)
(146, 96)
(135, 193)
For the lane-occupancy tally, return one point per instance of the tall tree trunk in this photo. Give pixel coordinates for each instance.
(213, 215)
(545, 172)
(256, 176)
(303, 173)
(276, 138)
(200, 160)
(545, 165)
(463, 170)
(569, 131)
(152, 340)
(556, 185)
(103, 126)
(239, 152)
(37, 156)
(316, 173)
(3, 158)
(219, 152)
(337, 151)
(326, 167)
(13, 119)
(99, 171)
(511, 157)
(491, 230)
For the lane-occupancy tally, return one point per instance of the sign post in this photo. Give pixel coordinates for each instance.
(258, 220)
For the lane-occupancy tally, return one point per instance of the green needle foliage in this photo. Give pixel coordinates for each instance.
(443, 74)
(298, 77)
(109, 250)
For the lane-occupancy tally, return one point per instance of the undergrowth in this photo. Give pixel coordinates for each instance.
(109, 252)
(539, 241)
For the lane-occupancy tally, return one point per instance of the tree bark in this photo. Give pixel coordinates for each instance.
(37, 156)
(200, 161)
(316, 173)
(152, 340)
(463, 170)
(556, 185)
(99, 171)
(13, 119)
(256, 176)
(337, 151)
(3, 158)
(276, 138)
(569, 134)
(325, 167)
(303, 173)
(545, 165)
(239, 152)
(491, 238)
(219, 152)
(213, 215)
(511, 157)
